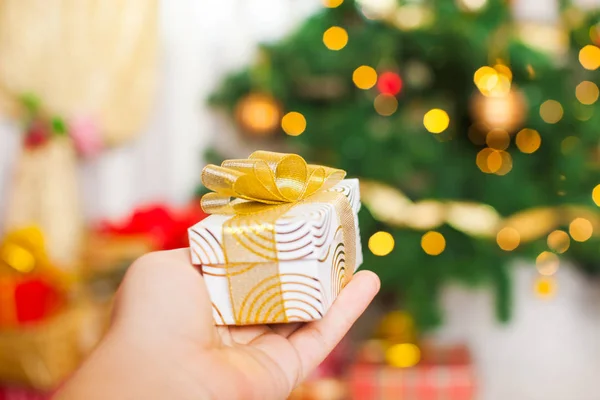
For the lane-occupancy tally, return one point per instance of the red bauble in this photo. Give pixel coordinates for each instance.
(35, 300)
(389, 83)
(36, 136)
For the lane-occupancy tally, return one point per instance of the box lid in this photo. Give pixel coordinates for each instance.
(302, 233)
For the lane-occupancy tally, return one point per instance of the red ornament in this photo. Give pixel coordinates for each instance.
(389, 83)
(35, 300)
(36, 136)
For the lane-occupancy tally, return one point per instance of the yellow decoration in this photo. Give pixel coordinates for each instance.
(508, 239)
(482, 159)
(551, 111)
(433, 243)
(258, 114)
(257, 191)
(498, 139)
(364, 77)
(293, 123)
(436, 121)
(545, 286)
(581, 229)
(559, 241)
(385, 104)
(505, 163)
(403, 355)
(506, 111)
(397, 327)
(381, 243)
(23, 251)
(335, 38)
(596, 195)
(589, 57)
(587, 92)
(547, 263)
(332, 3)
(528, 141)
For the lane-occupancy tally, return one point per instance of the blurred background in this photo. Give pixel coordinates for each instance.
(472, 125)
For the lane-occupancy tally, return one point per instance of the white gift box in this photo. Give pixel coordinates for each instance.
(310, 272)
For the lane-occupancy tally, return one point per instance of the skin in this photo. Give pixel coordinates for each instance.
(163, 344)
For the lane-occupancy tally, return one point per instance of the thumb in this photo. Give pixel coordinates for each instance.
(164, 295)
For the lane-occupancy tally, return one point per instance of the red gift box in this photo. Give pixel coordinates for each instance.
(444, 373)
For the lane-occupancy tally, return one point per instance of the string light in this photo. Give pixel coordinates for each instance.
(545, 286)
(506, 163)
(335, 38)
(547, 263)
(551, 111)
(559, 241)
(589, 57)
(482, 160)
(293, 123)
(498, 139)
(596, 195)
(433, 243)
(364, 77)
(403, 355)
(581, 229)
(389, 83)
(528, 141)
(381, 243)
(508, 239)
(587, 92)
(436, 121)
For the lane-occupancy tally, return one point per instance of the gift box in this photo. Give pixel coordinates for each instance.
(285, 247)
(444, 373)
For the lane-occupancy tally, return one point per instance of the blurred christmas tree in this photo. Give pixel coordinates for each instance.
(488, 125)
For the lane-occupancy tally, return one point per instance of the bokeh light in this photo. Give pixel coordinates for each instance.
(477, 134)
(587, 92)
(335, 38)
(482, 159)
(551, 111)
(559, 241)
(385, 104)
(506, 163)
(545, 287)
(364, 77)
(589, 57)
(581, 229)
(569, 144)
(547, 263)
(258, 113)
(19, 258)
(596, 195)
(494, 161)
(493, 82)
(389, 83)
(403, 355)
(332, 3)
(528, 141)
(381, 243)
(436, 120)
(498, 139)
(293, 123)
(508, 238)
(433, 243)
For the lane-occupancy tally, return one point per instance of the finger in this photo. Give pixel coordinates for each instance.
(246, 334)
(163, 294)
(286, 330)
(314, 341)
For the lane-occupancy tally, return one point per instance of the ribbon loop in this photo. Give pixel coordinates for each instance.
(265, 177)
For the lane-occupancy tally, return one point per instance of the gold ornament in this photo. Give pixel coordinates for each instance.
(259, 114)
(506, 112)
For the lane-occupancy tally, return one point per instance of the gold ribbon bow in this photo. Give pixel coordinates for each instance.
(257, 191)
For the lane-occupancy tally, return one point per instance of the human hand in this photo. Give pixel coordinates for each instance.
(163, 344)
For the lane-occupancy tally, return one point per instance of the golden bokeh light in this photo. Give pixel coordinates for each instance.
(493, 82)
(508, 238)
(569, 144)
(494, 161)
(482, 159)
(385, 104)
(498, 139)
(545, 286)
(528, 141)
(403, 355)
(332, 3)
(381, 243)
(436, 120)
(472, 5)
(364, 77)
(258, 113)
(335, 38)
(581, 229)
(433, 243)
(587, 92)
(547, 263)
(559, 241)
(551, 111)
(506, 163)
(293, 123)
(504, 70)
(596, 195)
(589, 57)
(19, 258)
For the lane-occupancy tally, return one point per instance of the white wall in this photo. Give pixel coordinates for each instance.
(551, 350)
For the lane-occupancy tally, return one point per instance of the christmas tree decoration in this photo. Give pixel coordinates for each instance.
(470, 145)
(381, 243)
(258, 114)
(547, 263)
